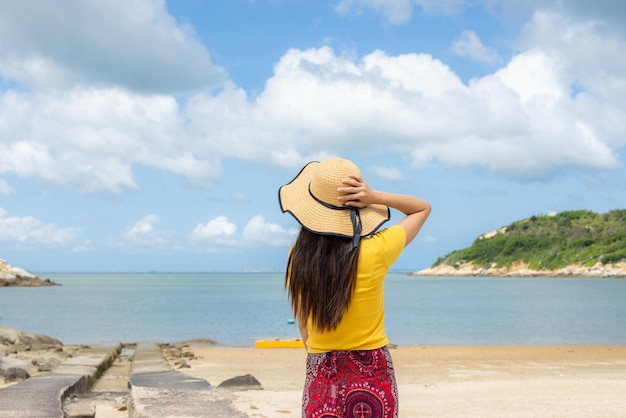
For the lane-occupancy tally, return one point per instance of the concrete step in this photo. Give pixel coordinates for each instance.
(157, 391)
(42, 396)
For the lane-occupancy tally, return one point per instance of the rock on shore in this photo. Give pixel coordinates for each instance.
(24, 354)
(13, 337)
(15, 276)
(617, 270)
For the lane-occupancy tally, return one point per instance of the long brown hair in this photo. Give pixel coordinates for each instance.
(321, 277)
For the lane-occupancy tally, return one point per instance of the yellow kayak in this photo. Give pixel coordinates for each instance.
(276, 343)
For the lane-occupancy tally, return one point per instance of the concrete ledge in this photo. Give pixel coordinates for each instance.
(42, 396)
(157, 391)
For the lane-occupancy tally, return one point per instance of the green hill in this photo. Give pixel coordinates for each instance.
(549, 242)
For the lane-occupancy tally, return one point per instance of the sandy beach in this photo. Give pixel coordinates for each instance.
(433, 381)
(505, 381)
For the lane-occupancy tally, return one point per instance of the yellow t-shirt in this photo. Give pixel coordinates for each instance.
(363, 324)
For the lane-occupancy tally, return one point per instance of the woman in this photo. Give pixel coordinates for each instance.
(335, 280)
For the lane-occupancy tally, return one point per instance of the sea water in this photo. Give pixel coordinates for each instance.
(236, 309)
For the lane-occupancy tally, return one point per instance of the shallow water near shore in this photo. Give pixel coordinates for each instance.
(235, 309)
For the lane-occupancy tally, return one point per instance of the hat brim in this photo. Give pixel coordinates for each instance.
(296, 199)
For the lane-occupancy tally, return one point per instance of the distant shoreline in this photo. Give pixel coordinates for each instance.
(600, 271)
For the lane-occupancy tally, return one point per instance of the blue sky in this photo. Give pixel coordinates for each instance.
(151, 135)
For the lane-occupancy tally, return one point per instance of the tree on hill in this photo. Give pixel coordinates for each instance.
(548, 242)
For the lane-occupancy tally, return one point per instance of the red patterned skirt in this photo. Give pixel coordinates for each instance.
(350, 384)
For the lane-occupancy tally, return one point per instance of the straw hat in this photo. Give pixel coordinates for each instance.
(311, 198)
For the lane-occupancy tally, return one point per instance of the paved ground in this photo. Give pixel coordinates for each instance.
(155, 390)
(42, 396)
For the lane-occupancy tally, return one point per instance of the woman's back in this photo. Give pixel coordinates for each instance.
(362, 325)
(336, 286)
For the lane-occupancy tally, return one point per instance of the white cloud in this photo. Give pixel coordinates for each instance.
(520, 121)
(28, 231)
(86, 108)
(135, 44)
(257, 233)
(613, 11)
(219, 231)
(93, 137)
(144, 232)
(558, 103)
(469, 45)
(587, 52)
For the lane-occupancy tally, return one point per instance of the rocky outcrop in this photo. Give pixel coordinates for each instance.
(13, 337)
(521, 270)
(15, 374)
(241, 383)
(15, 366)
(15, 276)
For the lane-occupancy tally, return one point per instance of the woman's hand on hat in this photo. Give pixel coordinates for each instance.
(356, 192)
